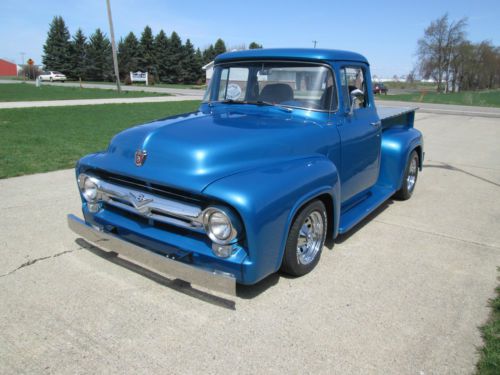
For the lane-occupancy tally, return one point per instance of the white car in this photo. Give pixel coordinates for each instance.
(52, 76)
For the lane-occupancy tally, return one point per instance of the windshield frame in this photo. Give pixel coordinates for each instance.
(210, 93)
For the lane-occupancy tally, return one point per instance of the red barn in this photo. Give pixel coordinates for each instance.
(7, 68)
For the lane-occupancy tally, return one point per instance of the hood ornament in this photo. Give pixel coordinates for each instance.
(140, 157)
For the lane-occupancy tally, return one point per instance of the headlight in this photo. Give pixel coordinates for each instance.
(88, 187)
(218, 226)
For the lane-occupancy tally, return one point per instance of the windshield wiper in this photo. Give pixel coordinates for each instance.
(264, 103)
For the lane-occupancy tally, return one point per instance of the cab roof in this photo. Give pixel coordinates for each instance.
(309, 54)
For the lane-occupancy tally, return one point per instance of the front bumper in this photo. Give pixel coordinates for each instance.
(213, 280)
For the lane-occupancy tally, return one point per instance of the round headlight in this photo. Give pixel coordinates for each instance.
(218, 226)
(88, 188)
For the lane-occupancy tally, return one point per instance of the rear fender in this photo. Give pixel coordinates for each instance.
(397, 145)
(268, 198)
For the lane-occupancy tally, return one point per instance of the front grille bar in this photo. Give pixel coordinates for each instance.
(150, 206)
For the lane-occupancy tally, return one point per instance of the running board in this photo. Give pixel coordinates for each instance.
(355, 214)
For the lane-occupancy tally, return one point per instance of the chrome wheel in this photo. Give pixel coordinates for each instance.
(311, 236)
(412, 175)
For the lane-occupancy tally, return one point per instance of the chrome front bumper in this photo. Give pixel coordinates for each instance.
(221, 282)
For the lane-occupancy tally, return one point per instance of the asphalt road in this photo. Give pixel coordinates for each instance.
(404, 293)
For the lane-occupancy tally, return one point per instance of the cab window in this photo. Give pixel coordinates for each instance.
(353, 78)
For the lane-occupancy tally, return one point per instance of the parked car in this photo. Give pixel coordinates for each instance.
(286, 150)
(380, 88)
(52, 76)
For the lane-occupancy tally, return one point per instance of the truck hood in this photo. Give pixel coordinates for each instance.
(191, 151)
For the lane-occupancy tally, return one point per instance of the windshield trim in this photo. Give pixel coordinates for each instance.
(333, 110)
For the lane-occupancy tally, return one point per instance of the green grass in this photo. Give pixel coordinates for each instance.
(36, 140)
(489, 363)
(26, 92)
(407, 85)
(475, 98)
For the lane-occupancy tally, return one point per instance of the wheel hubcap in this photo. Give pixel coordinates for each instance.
(412, 175)
(310, 238)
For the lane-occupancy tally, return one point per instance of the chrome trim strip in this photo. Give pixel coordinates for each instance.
(213, 280)
(150, 206)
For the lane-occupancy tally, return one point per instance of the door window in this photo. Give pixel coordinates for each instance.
(353, 78)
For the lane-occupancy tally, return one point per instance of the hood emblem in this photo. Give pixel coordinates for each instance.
(140, 157)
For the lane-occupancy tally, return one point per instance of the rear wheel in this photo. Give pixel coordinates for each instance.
(305, 240)
(409, 178)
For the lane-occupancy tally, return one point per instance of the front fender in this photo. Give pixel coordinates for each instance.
(267, 200)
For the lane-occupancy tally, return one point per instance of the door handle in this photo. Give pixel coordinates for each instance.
(376, 124)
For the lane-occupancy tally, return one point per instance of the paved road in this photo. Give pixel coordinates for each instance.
(403, 294)
(78, 102)
(445, 109)
(165, 90)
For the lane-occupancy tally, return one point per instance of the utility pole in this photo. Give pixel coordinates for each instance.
(113, 47)
(315, 42)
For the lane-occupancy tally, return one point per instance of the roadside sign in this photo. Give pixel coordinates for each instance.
(30, 62)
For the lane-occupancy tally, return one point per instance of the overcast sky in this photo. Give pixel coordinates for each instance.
(386, 32)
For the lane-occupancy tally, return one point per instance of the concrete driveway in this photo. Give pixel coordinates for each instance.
(404, 293)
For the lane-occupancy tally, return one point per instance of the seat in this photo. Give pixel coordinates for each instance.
(276, 93)
(328, 98)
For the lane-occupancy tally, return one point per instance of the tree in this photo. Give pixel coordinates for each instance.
(147, 55)
(208, 54)
(100, 62)
(78, 55)
(198, 57)
(190, 66)
(174, 62)
(57, 47)
(437, 46)
(161, 47)
(255, 45)
(128, 55)
(219, 47)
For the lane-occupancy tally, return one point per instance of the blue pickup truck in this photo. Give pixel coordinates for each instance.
(286, 150)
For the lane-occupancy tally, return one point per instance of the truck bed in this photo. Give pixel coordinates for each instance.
(396, 116)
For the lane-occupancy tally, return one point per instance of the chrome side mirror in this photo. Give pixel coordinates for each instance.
(357, 96)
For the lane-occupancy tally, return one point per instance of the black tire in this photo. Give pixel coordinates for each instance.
(293, 263)
(408, 188)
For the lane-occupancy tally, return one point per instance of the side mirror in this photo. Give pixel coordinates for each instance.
(357, 96)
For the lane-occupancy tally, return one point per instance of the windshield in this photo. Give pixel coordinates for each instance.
(289, 84)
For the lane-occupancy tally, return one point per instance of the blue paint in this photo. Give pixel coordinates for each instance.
(263, 163)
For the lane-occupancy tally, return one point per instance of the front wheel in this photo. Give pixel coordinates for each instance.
(409, 178)
(305, 240)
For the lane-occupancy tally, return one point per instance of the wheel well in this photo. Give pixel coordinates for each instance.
(328, 202)
(420, 156)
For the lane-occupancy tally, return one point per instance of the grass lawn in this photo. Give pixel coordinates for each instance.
(26, 92)
(36, 140)
(489, 362)
(477, 98)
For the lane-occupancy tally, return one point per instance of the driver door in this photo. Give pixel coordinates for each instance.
(360, 134)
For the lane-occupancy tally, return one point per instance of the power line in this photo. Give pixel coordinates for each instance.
(315, 42)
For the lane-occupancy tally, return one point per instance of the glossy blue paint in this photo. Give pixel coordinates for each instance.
(263, 163)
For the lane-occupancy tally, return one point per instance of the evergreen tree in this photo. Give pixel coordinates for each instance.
(208, 54)
(161, 48)
(78, 55)
(147, 55)
(100, 61)
(198, 57)
(56, 48)
(190, 67)
(174, 63)
(219, 47)
(129, 54)
(254, 45)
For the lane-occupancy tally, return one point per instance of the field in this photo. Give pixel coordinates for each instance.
(45, 139)
(475, 98)
(28, 92)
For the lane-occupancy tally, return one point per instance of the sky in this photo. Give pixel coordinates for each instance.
(386, 32)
